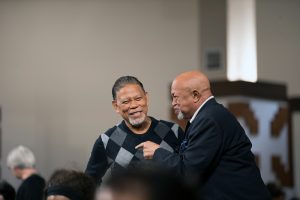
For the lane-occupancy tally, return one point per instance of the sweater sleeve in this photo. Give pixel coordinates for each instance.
(97, 164)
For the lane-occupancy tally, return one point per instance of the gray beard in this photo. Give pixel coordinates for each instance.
(137, 122)
(180, 116)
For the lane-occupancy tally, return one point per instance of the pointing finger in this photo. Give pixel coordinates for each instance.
(140, 145)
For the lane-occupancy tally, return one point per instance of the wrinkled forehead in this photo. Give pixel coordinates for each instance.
(179, 93)
(178, 89)
(131, 86)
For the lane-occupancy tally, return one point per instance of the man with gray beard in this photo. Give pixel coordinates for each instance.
(216, 154)
(115, 148)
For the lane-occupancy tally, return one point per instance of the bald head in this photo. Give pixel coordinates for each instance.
(193, 81)
(189, 91)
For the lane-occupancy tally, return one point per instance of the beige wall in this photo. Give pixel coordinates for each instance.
(59, 59)
(213, 35)
(278, 43)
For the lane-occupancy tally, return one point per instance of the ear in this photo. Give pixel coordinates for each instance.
(115, 106)
(196, 95)
(147, 98)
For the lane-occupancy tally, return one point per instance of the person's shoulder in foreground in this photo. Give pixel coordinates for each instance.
(7, 191)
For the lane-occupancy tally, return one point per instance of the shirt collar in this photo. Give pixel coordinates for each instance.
(195, 114)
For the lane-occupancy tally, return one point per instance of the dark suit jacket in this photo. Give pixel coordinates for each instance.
(218, 153)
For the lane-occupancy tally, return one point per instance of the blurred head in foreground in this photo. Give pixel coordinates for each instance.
(148, 183)
(70, 185)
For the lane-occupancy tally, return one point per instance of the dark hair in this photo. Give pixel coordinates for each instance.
(7, 191)
(72, 184)
(122, 81)
(153, 182)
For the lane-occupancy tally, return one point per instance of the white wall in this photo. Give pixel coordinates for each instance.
(59, 59)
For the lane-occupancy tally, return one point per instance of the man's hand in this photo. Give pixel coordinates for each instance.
(148, 149)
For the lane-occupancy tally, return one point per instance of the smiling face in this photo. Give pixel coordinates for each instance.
(132, 104)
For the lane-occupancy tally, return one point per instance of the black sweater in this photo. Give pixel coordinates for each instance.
(116, 147)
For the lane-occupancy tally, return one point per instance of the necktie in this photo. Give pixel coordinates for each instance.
(187, 126)
(185, 141)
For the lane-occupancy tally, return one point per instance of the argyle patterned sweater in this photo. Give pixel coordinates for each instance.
(115, 148)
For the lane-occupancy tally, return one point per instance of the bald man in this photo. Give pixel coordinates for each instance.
(216, 153)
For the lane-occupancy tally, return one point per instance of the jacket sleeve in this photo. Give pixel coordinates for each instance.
(97, 164)
(201, 154)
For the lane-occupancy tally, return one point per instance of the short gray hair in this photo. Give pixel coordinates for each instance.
(122, 82)
(21, 157)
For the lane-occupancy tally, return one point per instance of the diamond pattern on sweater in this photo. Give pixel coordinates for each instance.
(166, 146)
(120, 145)
(162, 130)
(118, 136)
(105, 139)
(175, 128)
(124, 157)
